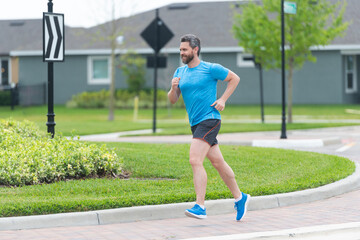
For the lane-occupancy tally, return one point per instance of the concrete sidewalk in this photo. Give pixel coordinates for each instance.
(167, 211)
(258, 139)
(316, 220)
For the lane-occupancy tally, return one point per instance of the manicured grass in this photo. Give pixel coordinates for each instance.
(160, 173)
(173, 121)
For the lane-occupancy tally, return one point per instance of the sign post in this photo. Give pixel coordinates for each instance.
(156, 34)
(258, 66)
(53, 51)
(283, 114)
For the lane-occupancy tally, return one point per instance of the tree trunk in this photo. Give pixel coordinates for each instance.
(112, 65)
(112, 83)
(290, 90)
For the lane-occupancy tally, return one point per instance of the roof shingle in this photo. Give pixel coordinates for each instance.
(210, 21)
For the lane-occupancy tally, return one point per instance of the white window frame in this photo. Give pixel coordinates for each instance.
(354, 89)
(91, 80)
(242, 63)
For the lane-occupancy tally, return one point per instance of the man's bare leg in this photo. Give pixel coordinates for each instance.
(198, 151)
(226, 173)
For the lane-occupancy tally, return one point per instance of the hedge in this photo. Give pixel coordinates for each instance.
(5, 98)
(123, 99)
(29, 156)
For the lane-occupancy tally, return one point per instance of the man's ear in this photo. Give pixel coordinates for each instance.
(196, 50)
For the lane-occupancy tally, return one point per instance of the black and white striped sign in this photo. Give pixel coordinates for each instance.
(53, 37)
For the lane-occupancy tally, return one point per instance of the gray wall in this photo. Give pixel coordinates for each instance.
(316, 83)
(70, 76)
(320, 82)
(32, 71)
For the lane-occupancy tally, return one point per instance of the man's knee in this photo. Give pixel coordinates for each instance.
(195, 161)
(224, 169)
(217, 164)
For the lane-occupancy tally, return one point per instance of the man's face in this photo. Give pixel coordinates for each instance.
(186, 52)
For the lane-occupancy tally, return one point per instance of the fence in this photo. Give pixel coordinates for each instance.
(9, 96)
(31, 95)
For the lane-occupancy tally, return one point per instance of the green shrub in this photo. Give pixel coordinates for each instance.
(124, 99)
(5, 98)
(29, 156)
(133, 67)
(90, 99)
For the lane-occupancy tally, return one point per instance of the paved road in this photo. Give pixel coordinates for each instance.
(343, 209)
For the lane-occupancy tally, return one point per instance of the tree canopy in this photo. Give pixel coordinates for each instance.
(257, 27)
(316, 23)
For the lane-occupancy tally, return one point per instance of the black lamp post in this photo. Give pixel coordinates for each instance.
(283, 118)
(258, 66)
(51, 115)
(261, 92)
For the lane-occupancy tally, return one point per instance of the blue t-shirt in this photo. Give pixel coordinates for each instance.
(198, 86)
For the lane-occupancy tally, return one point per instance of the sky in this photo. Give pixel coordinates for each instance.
(81, 13)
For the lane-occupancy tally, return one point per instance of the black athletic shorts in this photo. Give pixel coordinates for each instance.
(207, 131)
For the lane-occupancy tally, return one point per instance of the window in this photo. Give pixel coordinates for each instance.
(4, 76)
(245, 60)
(99, 70)
(350, 74)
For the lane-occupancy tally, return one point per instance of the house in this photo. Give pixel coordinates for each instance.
(333, 79)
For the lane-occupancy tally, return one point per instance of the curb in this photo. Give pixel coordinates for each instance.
(348, 231)
(166, 211)
(290, 143)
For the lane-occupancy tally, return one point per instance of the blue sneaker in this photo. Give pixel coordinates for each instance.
(196, 212)
(241, 206)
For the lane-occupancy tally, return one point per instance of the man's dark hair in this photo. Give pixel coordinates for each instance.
(193, 41)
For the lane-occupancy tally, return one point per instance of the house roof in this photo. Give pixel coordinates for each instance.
(211, 21)
(15, 34)
(27, 34)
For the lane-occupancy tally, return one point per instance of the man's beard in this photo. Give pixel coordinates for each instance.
(187, 59)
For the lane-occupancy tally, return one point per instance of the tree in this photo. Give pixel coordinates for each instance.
(258, 30)
(111, 32)
(133, 67)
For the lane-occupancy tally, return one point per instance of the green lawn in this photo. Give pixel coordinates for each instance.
(160, 173)
(174, 121)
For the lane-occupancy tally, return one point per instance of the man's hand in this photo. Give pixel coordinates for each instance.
(174, 92)
(175, 83)
(219, 104)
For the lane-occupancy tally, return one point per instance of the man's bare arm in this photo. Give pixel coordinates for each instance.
(174, 92)
(233, 80)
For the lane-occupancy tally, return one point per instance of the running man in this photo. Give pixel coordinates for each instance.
(197, 82)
